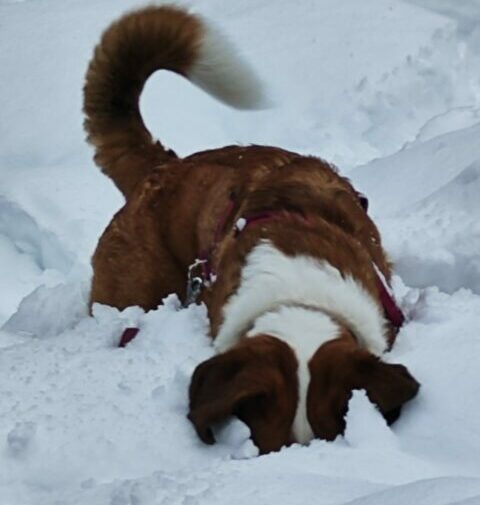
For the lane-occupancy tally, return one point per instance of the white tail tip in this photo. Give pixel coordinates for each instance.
(223, 73)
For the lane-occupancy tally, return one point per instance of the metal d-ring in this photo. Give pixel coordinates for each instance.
(195, 281)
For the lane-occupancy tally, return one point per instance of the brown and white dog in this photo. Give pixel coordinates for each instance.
(290, 259)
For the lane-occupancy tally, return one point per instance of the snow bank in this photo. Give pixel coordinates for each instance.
(428, 209)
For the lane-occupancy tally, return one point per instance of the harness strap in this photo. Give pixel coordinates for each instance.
(263, 217)
(206, 275)
(127, 336)
(391, 309)
(203, 259)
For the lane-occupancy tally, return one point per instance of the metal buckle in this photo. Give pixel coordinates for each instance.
(195, 282)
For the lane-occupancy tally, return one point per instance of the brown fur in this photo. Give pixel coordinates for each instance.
(254, 382)
(172, 211)
(340, 366)
(128, 53)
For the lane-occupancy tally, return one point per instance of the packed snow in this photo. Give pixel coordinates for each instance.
(389, 90)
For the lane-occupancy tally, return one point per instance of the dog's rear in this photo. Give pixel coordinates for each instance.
(130, 50)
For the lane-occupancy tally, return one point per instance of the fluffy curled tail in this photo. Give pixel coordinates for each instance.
(130, 50)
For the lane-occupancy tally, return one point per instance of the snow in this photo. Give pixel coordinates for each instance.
(431, 228)
(387, 89)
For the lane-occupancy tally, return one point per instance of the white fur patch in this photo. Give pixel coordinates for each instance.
(271, 278)
(224, 74)
(304, 330)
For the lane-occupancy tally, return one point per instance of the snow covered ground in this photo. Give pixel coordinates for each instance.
(387, 89)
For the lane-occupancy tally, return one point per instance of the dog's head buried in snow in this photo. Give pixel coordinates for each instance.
(295, 276)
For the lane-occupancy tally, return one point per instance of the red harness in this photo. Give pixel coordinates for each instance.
(392, 311)
(204, 260)
(207, 275)
(127, 336)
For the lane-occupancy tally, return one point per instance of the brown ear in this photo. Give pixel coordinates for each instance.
(256, 382)
(336, 370)
(389, 386)
(218, 388)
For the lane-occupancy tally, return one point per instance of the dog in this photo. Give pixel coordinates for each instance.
(277, 245)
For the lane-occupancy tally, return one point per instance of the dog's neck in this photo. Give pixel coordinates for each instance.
(269, 279)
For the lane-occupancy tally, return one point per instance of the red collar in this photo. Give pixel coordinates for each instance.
(392, 310)
(204, 258)
(263, 217)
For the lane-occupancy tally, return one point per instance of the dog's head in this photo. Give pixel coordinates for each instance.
(257, 381)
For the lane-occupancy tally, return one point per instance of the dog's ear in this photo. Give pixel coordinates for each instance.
(337, 370)
(218, 388)
(246, 382)
(389, 386)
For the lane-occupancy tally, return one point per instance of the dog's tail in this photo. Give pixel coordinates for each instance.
(130, 50)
